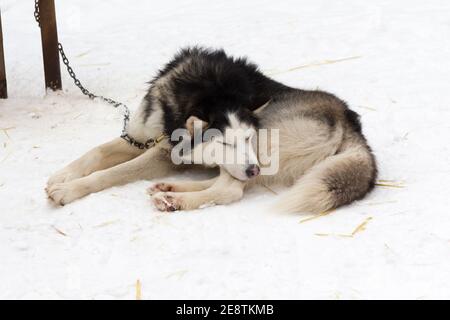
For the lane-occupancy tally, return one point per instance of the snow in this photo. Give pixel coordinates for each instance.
(98, 247)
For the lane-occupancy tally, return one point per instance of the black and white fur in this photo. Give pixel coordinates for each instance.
(323, 154)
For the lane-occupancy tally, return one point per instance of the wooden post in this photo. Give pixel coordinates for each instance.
(3, 88)
(49, 37)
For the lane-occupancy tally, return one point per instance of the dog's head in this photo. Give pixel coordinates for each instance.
(227, 139)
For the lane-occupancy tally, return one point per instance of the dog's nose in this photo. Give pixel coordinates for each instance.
(252, 171)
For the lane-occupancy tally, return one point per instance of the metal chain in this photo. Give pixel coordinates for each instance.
(126, 118)
(37, 17)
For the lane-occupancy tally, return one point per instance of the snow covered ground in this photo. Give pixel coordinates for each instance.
(100, 246)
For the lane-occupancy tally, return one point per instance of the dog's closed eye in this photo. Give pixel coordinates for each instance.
(227, 144)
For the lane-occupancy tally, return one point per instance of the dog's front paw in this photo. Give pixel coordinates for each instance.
(64, 193)
(160, 187)
(166, 201)
(64, 175)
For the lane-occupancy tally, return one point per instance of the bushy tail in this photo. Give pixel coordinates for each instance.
(338, 180)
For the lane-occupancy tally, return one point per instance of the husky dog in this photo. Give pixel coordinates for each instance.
(322, 152)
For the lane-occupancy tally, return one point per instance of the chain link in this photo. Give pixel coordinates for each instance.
(37, 17)
(126, 117)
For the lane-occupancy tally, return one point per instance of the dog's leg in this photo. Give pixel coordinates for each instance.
(181, 186)
(102, 157)
(224, 190)
(152, 164)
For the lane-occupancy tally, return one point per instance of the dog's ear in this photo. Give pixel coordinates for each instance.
(261, 108)
(194, 121)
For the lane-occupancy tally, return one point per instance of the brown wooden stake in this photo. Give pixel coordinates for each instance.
(3, 88)
(49, 37)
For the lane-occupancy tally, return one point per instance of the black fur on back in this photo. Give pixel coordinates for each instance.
(209, 84)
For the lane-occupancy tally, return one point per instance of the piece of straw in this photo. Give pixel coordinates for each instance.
(315, 64)
(179, 274)
(106, 223)
(59, 231)
(388, 185)
(378, 203)
(83, 54)
(5, 131)
(360, 228)
(368, 108)
(316, 216)
(138, 290)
